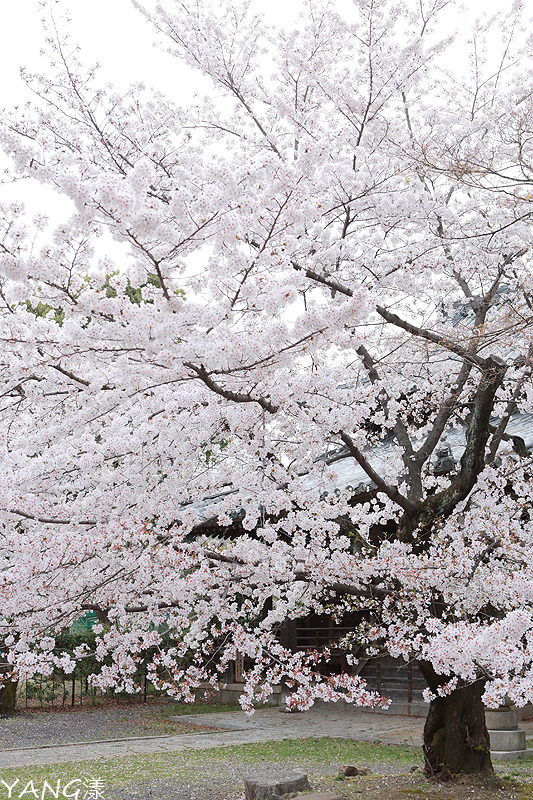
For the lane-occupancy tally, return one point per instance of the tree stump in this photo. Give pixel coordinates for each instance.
(272, 784)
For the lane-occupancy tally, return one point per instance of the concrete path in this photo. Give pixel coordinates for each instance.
(265, 725)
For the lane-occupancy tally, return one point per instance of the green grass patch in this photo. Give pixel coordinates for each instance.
(222, 769)
(198, 707)
(319, 750)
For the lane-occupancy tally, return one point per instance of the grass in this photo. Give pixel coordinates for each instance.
(314, 751)
(395, 772)
(198, 707)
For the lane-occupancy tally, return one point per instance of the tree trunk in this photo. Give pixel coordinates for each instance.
(456, 741)
(8, 693)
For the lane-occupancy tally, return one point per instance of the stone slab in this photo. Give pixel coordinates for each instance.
(511, 755)
(507, 740)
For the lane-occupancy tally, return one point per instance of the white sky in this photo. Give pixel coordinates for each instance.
(109, 31)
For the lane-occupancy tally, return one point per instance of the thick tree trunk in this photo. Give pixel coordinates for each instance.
(8, 693)
(8, 699)
(456, 741)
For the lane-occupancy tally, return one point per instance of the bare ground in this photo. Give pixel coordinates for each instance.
(37, 728)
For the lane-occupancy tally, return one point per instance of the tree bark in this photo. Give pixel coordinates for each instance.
(8, 693)
(456, 741)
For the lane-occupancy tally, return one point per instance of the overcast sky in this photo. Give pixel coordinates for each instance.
(109, 31)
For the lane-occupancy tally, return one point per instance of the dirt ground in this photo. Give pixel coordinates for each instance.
(37, 728)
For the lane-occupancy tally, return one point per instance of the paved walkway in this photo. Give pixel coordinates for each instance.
(235, 728)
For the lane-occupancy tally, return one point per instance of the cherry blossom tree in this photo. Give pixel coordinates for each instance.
(325, 273)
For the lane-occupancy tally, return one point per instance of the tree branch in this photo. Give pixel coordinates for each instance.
(399, 430)
(325, 280)
(228, 394)
(443, 415)
(429, 336)
(49, 520)
(132, 609)
(493, 545)
(302, 575)
(391, 491)
(499, 432)
(68, 374)
(442, 504)
(518, 444)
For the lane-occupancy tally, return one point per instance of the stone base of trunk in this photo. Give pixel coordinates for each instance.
(507, 741)
(508, 745)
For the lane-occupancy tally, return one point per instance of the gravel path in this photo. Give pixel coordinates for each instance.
(37, 729)
(96, 728)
